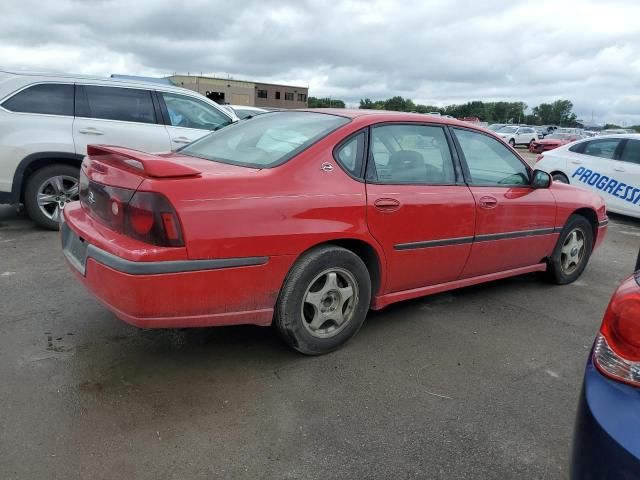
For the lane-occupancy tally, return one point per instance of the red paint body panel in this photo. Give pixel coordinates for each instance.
(230, 212)
(419, 217)
(516, 209)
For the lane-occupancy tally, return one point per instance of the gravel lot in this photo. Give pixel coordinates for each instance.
(476, 383)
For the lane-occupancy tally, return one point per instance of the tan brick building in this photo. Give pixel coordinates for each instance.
(240, 92)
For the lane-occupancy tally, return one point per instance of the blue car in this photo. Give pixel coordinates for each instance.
(606, 441)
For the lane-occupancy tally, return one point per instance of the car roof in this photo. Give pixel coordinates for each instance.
(6, 75)
(386, 115)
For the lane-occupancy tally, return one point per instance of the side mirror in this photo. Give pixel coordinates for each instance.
(540, 179)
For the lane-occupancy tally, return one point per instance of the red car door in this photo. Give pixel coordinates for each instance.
(416, 209)
(514, 222)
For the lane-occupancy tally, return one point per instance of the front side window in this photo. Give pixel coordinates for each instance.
(631, 152)
(189, 112)
(115, 103)
(46, 98)
(490, 162)
(266, 140)
(410, 154)
(604, 148)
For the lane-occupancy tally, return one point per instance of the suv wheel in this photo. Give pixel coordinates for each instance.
(512, 142)
(48, 191)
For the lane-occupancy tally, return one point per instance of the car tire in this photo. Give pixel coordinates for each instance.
(512, 142)
(59, 183)
(324, 300)
(531, 142)
(572, 252)
(560, 177)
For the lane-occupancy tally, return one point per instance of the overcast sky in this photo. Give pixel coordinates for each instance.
(434, 52)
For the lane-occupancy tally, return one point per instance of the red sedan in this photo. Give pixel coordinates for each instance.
(308, 219)
(552, 141)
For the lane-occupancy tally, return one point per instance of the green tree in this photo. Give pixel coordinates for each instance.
(325, 103)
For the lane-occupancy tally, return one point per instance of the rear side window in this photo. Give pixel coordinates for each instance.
(114, 103)
(410, 154)
(191, 113)
(350, 154)
(489, 161)
(49, 99)
(604, 148)
(631, 152)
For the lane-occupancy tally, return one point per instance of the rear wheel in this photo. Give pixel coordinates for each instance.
(572, 251)
(323, 301)
(560, 177)
(48, 191)
(531, 142)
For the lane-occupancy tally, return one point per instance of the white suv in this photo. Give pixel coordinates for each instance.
(47, 121)
(516, 135)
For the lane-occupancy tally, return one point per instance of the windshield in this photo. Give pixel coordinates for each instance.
(508, 130)
(265, 141)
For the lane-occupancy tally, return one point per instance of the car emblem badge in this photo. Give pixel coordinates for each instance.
(327, 167)
(91, 198)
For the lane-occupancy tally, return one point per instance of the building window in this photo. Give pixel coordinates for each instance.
(288, 96)
(277, 95)
(262, 94)
(302, 97)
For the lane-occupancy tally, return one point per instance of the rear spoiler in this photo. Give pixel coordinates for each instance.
(146, 163)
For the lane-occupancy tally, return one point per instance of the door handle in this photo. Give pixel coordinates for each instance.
(387, 204)
(90, 131)
(181, 140)
(488, 202)
(576, 162)
(619, 169)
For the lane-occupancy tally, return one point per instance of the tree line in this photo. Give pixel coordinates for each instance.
(559, 112)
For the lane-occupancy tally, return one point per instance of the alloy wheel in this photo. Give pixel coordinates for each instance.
(329, 302)
(55, 193)
(572, 251)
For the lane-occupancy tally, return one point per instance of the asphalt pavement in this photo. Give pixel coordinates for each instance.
(479, 383)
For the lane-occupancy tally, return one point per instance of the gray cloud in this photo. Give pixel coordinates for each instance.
(435, 52)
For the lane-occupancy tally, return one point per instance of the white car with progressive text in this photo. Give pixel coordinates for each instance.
(609, 165)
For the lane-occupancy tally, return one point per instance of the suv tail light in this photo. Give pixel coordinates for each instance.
(617, 348)
(145, 216)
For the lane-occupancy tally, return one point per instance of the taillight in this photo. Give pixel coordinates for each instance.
(152, 219)
(617, 349)
(145, 216)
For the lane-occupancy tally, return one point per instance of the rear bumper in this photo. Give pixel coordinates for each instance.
(177, 293)
(606, 443)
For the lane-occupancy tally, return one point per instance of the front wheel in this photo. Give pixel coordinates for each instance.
(572, 251)
(512, 142)
(324, 300)
(48, 191)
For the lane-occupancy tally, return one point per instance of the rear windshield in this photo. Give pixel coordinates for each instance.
(265, 141)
